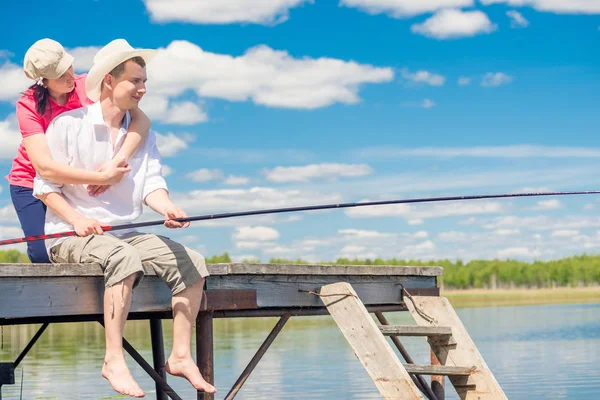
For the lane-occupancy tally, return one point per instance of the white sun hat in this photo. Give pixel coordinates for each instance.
(107, 59)
(46, 58)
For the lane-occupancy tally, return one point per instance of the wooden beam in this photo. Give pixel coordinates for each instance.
(415, 330)
(369, 345)
(38, 270)
(438, 370)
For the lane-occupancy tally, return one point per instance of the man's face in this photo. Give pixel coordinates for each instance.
(130, 87)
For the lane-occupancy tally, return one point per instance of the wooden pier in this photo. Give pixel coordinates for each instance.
(43, 293)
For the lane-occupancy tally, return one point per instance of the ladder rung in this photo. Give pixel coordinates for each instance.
(415, 330)
(438, 370)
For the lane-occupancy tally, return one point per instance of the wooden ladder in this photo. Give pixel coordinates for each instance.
(459, 358)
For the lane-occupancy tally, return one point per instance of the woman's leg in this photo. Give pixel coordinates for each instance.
(32, 216)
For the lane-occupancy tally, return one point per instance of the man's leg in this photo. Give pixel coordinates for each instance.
(122, 266)
(183, 270)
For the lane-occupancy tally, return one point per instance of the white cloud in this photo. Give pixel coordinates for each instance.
(236, 180)
(423, 76)
(255, 233)
(267, 77)
(492, 79)
(464, 81)
(166, 170)
(5, 54)
(363, 234)
(513, 252)
(453, 24)
(556, 6)
(8, 213)
(418, 251)
(552, 204)
(513, 151)
(84, 57)
(205, 175)
(170, 144)
(542, 222)
(426, 103)
(507, 232)
(10, 137)
(404, 8)
(222, 12)
(13, 82)
(317, 171)
(517, 20)
(589, 206)
(564, 233)
(253, 156)
(173, 112)
(411, 212)
(254, 198)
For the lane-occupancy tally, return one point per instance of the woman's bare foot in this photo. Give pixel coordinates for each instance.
(115, 371)
(187, 368)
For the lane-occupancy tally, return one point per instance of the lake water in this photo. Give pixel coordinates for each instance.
(535, 352)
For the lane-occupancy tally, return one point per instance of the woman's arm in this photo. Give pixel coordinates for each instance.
(136, 135)
(47, 168)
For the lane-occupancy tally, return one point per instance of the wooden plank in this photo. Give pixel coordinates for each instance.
(369, 345)
(320, 269)
(293, 291)
(232, 299)
(47, 297)
(37, 270)
(438, 370)
(481, 384)
(415, 330)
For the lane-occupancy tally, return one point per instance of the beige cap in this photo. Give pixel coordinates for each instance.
(107, 59)
(46, 59)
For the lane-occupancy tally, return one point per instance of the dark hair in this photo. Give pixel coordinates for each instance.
(41, 97)
(119, 69)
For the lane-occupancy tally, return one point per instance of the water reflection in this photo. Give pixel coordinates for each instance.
(536, 352)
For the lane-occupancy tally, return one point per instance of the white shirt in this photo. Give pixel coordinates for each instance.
(81, 139)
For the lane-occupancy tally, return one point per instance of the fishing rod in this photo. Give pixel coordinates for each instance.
(296, 209)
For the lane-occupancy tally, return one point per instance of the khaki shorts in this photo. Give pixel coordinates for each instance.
(123, 256)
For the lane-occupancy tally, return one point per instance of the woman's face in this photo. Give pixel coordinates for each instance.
(62, 85)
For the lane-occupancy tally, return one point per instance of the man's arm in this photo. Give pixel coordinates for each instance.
(155, 192)
(160, 202)
(82, 225)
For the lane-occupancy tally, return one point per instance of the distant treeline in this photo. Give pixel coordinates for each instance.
(573, 271)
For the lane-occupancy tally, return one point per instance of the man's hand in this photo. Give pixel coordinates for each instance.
(113, 171)
(172, 211)
(87, 226)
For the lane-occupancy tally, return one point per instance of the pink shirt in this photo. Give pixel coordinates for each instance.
(32, 123)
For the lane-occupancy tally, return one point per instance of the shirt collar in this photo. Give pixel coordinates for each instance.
(97, 118)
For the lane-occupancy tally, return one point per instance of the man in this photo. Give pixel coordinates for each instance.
(87, 138)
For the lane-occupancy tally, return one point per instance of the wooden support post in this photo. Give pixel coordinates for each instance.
(205, 350)
(369, 345)
(158, 355)
(437, 381)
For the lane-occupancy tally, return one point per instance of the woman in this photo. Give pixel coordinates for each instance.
(56, 90)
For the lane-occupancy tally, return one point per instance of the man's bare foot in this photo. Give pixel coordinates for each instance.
(117, 374)
(187, 368)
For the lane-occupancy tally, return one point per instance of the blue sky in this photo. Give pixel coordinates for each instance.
(290, 102)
